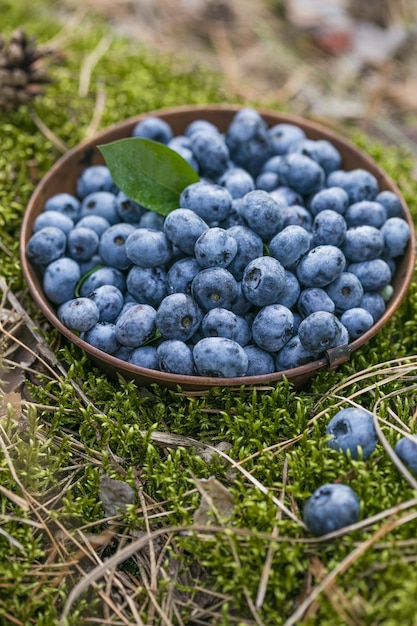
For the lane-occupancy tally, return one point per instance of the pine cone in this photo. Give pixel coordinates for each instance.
(22, 74)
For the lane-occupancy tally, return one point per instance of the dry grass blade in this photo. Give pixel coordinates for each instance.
(263, 583)
(90, 62)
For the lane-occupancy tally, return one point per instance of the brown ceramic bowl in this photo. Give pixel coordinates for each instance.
(63, 176)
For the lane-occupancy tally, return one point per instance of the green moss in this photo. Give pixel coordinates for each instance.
(56, 455)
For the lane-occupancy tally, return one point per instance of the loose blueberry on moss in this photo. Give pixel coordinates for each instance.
(406, 449)
(331, 507)
(352, 431)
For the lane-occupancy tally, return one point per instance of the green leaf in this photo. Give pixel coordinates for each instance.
(148, 172)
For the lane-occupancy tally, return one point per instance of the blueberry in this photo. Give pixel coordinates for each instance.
(148, 247)
(358, 183)
(296, 215)
(181, 273)
(64, 203)
(289, 245)
(391, 202)
(366, 212)
(406, 449)
(284, 135)
(262, 214)
(220, 357)
(272, 327)
(260, 361)
(183, 227)
(144, 356)
(186, 153)
(123, 353)
(249, 247)
(352, 431)
(329, 227)
(60, 279)
(363, 243)
(331, 507)
(346, 291)
(127, 209)
(100, 203)
(320, 331)
(175, 357)
(200, 124)
(216, 247)
(154, 128)
(103, 276)
(330, 199)
(396, 233)
(272, 165)
(373, 302)
(148, 285)
(220, 322)
(82, 243)
(267, 181)
(55, 219)
(301, 173)
(357, 321)
(94, 178)
(94, 222)
(286, 196)
(78, 314)
(292, 290)
(153, 220)
(320, 150)
(214, 287)
(103, 337)
(109, 302)
(178, 317)
(374, 275)
(211, 202)
(314, 299)
(136, 326)
(249, 141)
(46, 245)
(211, 153)
(237, 181)
(113, 244)
(263, 281)
(293, 354)
(240, 305)
(320, 266)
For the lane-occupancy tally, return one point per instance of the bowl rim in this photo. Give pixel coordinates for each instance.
(299, 375)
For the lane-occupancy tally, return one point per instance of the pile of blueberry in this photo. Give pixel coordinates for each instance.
(276, 255)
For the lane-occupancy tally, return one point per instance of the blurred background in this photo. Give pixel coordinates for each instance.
(339, 61)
